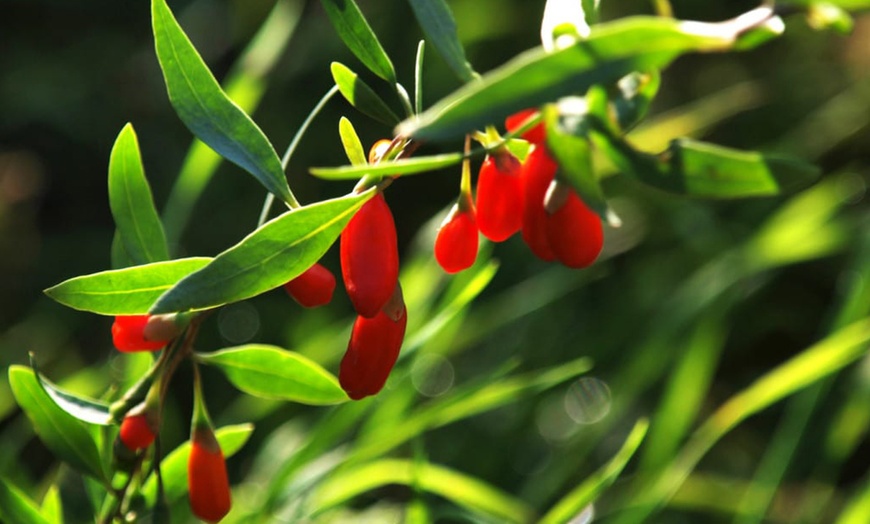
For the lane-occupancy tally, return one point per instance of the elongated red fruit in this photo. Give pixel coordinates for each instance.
(128, 334)
(207, 482)
(575, 233)
(457, 241)
(535, 135)
(370, 257)
(539, 169)
(313, 288)
(371, 354)
(135, 432)
(499, 197)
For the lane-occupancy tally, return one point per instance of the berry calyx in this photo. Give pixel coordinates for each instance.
(575, 232)
(370, 257)
(538, 172)
(128, 334)
(313, 288)
(457, 241)
(207, 482)
(499, 197)
(136, 432)
(371, 353)
(536, 135)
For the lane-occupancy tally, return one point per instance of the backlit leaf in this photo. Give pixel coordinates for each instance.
(357, 35)
(437, 21)
(360, 95)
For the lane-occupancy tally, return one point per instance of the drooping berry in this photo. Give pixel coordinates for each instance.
(371, 353)
(499, 197)
(207, 482)
(136, 432)
(539, 169)
(370, 257)
(575, 233)
(312, 288)
(535, 135)
(457, 240)
(128, 334)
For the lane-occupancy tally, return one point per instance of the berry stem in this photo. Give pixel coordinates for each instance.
(465, 201)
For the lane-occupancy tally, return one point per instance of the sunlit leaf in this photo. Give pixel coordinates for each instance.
(128, 291)
(272, 255)
(16, 507)
(207, 111)
(273, 373)
(67, 437)
(84, 409)
(52, 505)
(437, 21)
(173, 467)
(132, 204)
(352, 145)
(635, 93)
(360, 95)
(401, 167)
(535, 77)
(357, 35)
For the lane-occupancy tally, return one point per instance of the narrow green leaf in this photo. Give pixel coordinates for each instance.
(587, 492)
(132, 204)
(437, 21)
(273, 373)
(275, 253)
(402, 167)
(67, 437)
(357, 35)
(535, 77)
(567, 140)
(120, 257)
(16, 507)
(418, 77)
(52, 505)
(84, 409)
(467, 492)
(173, 467)
(635, 93)
(353, 148)
(361, 96)
(207, 111)
(128, 291)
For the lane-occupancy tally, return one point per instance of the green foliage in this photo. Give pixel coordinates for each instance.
(361, 96)
(355, 32)
(437, 21)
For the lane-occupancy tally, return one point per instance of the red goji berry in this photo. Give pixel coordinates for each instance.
(207, 482)
(535, 135)
(370, 257)
(371, 354)
(539, 169)
(128, 334)
(499, 197)
(575, 233)
(457, 240)
(136, 432)
(313, 288)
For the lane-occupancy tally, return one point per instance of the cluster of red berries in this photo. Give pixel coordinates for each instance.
(511, 197)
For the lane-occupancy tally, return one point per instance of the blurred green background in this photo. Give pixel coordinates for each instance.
(751, 283)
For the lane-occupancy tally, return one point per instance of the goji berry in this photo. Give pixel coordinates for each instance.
(136, 432)
(457, 240)
(575, 233)
(538, 172)
(371, 354)
(370, 257)
(499, 197)
(128, 334)
(207, 482)
(312, 288)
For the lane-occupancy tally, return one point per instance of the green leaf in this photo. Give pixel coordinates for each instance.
(587, 492)
(128, 291)
(275, 253)
(567, 140)
(418, 77)
(207, 111)
(635, 93)
(706, 170)
(358, 36)
(66, 436)
(461, 489)
(84, 409)
(360, 95)
(402, 167)
(132, 204)
(437, 21)
(535, 77)
(52, 505)
(273, 373)
(353, 148)
(16, 507)
(173, 467)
